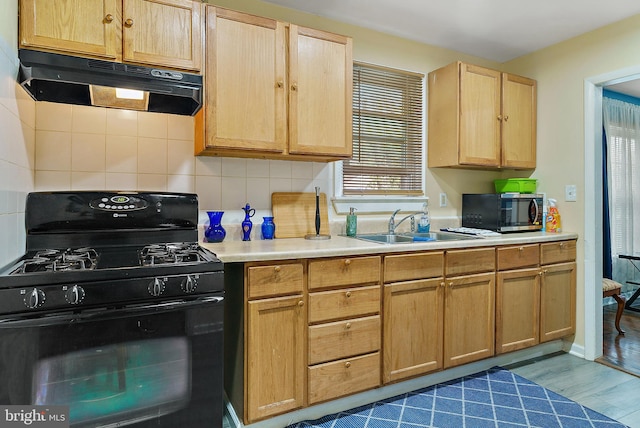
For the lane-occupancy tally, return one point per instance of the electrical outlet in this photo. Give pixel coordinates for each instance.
(443, 199)
(570, 193)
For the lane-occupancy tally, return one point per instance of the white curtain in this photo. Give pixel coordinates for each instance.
(622, 127)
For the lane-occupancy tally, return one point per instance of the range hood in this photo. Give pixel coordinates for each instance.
(74, 80)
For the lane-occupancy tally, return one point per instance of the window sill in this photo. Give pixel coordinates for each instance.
(378, 204)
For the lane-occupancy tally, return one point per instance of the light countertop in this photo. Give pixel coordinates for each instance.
(299, 248)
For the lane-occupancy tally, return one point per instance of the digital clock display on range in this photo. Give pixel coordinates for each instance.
(120, 199)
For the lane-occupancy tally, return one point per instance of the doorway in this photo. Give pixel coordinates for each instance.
(593, 205)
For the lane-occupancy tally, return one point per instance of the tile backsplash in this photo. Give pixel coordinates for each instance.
(94, 148)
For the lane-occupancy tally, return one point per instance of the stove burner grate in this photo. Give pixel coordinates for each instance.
(59, 260)
(170, 253)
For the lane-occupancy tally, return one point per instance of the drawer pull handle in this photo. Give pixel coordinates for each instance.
(347, 364)
(347, 262)
(521, 249)
(347, 325)
(277, 269)
(348, 294)
(301, 303)
(562, 245)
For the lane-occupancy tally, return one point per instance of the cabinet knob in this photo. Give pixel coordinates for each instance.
(442, 284)
(347, 262)
(499, 117)
(294, 87)
(108, 18)
(562, 245)
(348, 294)
(540, 273)
(506, 117)
(521, 249)
(280, 84)
(347, 325)
(347, 364)
(128, 22)
(301, 303)
(277, 269)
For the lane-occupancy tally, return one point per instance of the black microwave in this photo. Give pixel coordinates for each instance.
(503, 212)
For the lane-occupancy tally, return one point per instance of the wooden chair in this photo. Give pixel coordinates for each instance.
(613, 288)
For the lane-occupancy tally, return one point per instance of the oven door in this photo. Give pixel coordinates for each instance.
(155, 365)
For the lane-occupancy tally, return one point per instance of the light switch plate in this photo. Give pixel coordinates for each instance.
(570, 193)
(443, 199)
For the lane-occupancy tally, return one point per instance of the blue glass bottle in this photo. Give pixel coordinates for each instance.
(215, 232)
(268, 228)
(247, 225)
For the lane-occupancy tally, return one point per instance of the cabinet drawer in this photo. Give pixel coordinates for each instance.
(344, 271)
(406, 267)
(275, 280)
(518, 256)
(462, 262)
(343, 377)
(343, 339)
(557, 252)
(346, 303)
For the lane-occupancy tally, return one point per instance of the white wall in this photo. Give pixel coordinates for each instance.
(17, 119)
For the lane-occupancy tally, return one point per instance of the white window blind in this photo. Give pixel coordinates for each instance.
(387, 133)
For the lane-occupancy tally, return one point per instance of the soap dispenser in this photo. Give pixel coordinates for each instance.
(424, 224)
(352, 222)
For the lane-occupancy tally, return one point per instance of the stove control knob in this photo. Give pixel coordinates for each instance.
(34, 298)
(189, 284)
(156, 287)
(74, 295)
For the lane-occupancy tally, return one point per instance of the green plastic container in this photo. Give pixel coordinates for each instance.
(516, 185)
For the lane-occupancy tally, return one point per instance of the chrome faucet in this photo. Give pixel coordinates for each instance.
(393, 225)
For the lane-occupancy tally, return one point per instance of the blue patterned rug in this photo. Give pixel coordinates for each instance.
(494, 398)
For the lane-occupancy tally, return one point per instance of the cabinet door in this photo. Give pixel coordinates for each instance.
(557, 301)
(479, 116)
(469, 319)
(275, 356)
(245, 82)
(320, 90)
(517, 309)
(86, 27)
(412, 328)
(163, 32)
(518, 121)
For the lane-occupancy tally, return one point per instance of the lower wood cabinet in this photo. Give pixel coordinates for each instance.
(557, 301)
(557, 290)
(413, 316)
(469, 318)
(275, 356)
(315, 330)
(344, 326)
(517, 297)
(343, 377)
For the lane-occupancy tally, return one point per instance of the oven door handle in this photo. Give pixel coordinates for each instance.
(104, 313)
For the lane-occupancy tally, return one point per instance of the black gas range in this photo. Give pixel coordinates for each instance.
(114, 314)
(105, 249)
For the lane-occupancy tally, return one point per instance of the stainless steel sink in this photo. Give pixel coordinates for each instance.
(408, 238)
(385, 238)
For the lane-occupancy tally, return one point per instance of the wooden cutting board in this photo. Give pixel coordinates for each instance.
(294, 214)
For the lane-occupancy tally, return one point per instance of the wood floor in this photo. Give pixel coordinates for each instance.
(611, 392)
(621, 351)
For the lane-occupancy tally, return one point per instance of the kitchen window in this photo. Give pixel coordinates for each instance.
(388, 149)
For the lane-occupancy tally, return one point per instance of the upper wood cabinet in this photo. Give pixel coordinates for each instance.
(480, 117)
(274, 90)
(165, 33)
